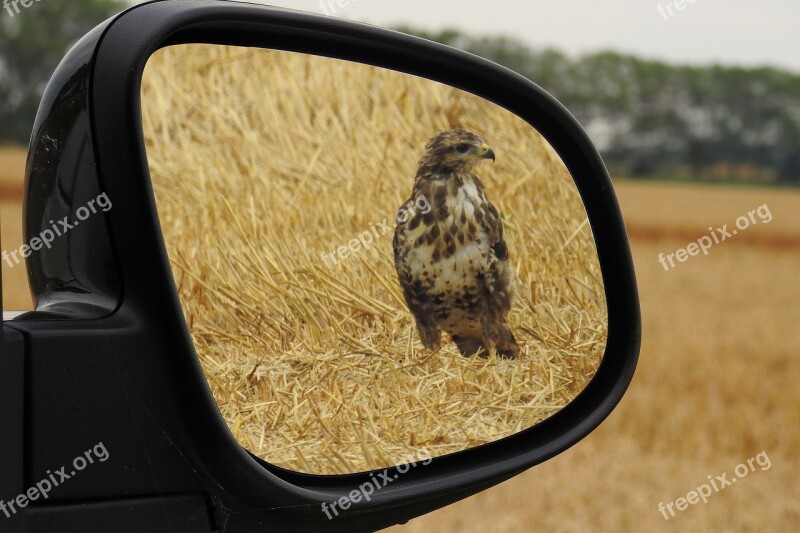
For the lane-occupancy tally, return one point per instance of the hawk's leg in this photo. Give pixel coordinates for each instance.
(429, 332)
(430, 335)
(507, 346)
(497, 305)
(497, 335)
(488, 326)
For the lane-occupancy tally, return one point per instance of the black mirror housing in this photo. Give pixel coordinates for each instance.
(108, 354)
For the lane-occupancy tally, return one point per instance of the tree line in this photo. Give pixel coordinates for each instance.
(648, 118)
(655, 119)
(32, 43)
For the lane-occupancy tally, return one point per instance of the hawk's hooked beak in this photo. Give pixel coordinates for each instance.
(487, 153)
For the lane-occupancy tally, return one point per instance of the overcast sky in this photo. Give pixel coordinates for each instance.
(747, 32)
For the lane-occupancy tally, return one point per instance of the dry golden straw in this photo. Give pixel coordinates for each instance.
(262, 161)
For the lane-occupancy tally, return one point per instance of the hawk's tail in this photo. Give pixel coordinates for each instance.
(506, 345)
(469, 346)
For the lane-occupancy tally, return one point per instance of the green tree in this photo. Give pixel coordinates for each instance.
(651, 117)
(32, 42)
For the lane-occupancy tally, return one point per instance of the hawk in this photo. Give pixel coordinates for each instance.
(452, 261)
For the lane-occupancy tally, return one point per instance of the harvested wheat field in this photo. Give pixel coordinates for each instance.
(263, 162)
(16, 294)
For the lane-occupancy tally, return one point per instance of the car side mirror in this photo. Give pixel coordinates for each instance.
(110, 355)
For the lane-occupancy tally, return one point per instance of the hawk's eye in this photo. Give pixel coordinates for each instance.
(462, 148)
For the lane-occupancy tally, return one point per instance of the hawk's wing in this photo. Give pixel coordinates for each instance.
(498, 286)
(492, 225)
(414, 293)
(412, 290)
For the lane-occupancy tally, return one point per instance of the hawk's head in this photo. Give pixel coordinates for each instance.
(453, 152)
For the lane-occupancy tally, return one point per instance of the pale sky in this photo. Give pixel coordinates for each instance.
(738, 32)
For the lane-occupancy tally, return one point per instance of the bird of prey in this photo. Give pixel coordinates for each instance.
(452, 261)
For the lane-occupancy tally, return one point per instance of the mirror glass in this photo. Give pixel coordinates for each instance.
(375, 268)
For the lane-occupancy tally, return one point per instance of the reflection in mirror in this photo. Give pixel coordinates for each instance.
(338, 333)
